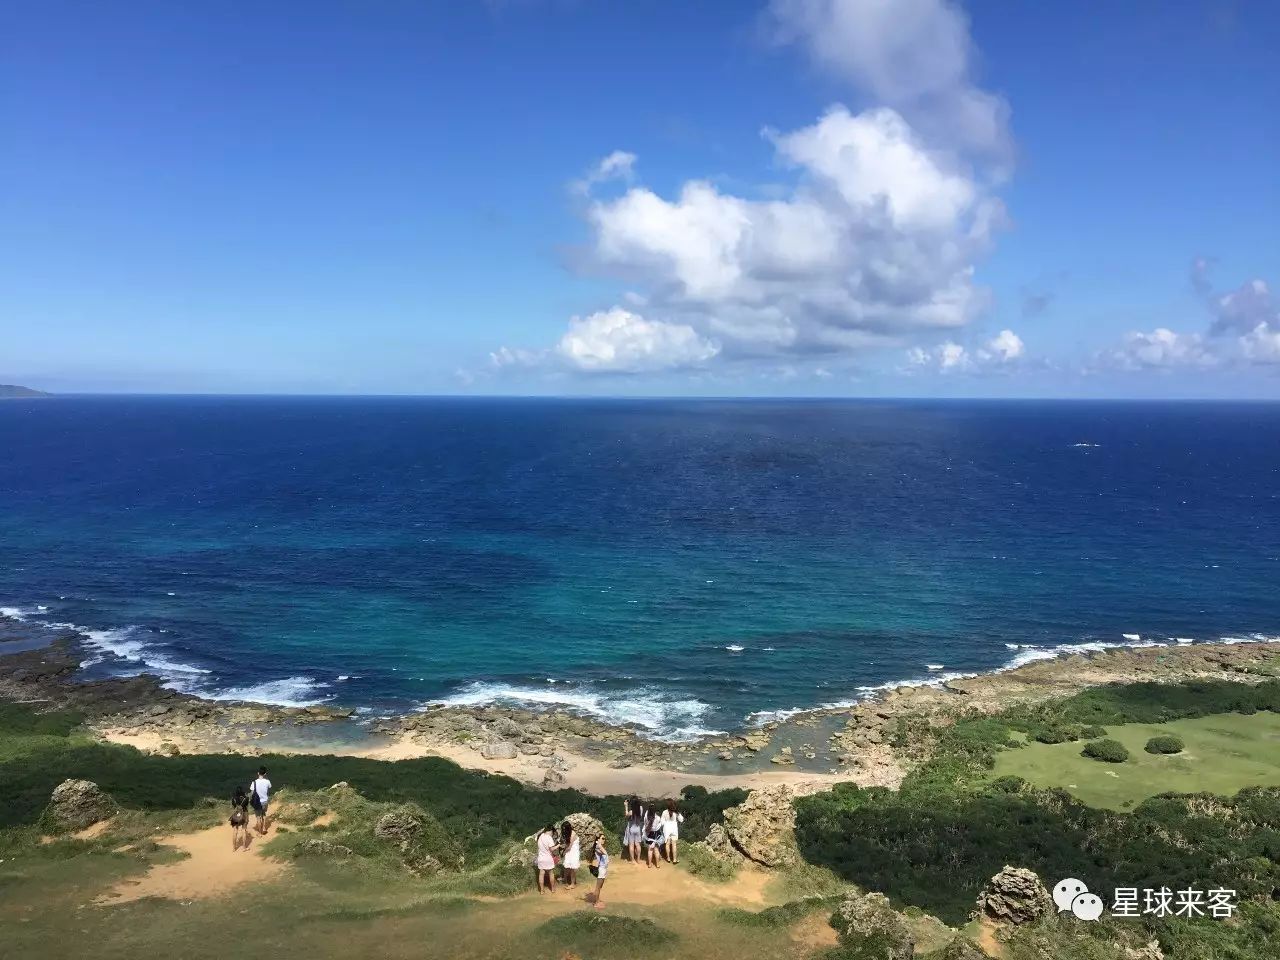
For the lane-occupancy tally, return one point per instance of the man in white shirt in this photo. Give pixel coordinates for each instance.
(259, 797)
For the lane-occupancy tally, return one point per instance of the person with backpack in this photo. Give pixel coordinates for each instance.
(652, 838)
(259, 798)
(240, 819)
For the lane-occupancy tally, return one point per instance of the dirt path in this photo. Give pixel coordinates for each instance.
(641, 886)
(210, 869)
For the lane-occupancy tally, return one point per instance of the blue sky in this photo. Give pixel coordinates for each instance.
(804, 197)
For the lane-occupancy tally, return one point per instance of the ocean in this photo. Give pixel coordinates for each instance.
(684, 565)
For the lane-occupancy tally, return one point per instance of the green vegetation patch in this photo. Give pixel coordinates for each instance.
(593, 934)
(1108, 751)
(479, 812)
(1222, 754)
(777, 917)
(702, 864)
(1167, 743)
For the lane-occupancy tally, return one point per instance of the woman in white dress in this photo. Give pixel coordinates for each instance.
(544, 863)
(671, 820)
(572, 846)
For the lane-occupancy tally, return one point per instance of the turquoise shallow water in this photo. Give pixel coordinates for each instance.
(684, 565)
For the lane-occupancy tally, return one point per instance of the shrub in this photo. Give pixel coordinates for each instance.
(702, 864)
(1091, 731)
(1108, 751)
(1165, 744)
(1051, 735)
(604, 935)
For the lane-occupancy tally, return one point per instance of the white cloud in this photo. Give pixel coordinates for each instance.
(873, 244)
(1250, 311)
(1243, 309)
(1161, 349)
(875, 159)
(913, 55)
(619, 165)
(618, 341)
(1262, 344)
(1002, 351)
(878, 240)
(1005, 347)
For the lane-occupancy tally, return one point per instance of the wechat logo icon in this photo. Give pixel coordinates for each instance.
(1073, 895)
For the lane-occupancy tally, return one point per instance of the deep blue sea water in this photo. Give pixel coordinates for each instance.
(684, 565)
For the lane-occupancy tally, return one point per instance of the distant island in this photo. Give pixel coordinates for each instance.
(9, 391)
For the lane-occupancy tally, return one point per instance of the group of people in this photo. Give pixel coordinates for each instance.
(657, 832)
(550, 843)
(258, 797)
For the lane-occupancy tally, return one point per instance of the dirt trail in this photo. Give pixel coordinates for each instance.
(211, 869)
(642, 886)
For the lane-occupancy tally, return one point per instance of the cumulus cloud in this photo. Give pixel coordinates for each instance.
(876, 241)
(913, 55)
(1244, 328)
(1244, 309)
(1161, 349)
(619, 341)
(1000, 352)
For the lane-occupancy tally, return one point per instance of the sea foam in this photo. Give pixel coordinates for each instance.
(660, 715)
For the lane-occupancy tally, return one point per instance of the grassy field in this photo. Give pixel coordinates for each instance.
(1224, 753)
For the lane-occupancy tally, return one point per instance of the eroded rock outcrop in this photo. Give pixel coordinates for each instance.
(762, 827)
(76, 805)
(1014, 895)
(869, 923)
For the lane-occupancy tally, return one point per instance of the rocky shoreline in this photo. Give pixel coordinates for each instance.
(873, 743)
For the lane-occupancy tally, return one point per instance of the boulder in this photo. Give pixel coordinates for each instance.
(553, 780)
(77, 804)
(587, 828)
(718, 844)
(423, 844)
(499, 750)
(762, 827)
(318, 847)
(399, 826)
(1014, 895)
(868, 922)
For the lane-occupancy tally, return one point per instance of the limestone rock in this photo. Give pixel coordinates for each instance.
(499, 750)
(318, 847)
(719, 845)
(77, 804)
(762, 827)
(869, 922)
(553, 780)
(1014, 895)
(587, 828)
(399, 826)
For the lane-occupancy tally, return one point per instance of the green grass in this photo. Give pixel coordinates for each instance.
(1223, 754)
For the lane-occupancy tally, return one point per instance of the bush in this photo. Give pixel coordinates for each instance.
(1108, 751)
(588, 933)
(1051, 735)
(1091, 731)
(702, 864)
(1165, 744)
